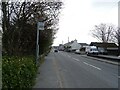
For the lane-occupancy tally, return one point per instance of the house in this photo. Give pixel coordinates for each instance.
(83, 44)
(72, 46)
(83, 47)
(108, 48)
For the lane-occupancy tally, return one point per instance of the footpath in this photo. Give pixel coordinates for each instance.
(115, 58)
(105, 58)
(47, 74)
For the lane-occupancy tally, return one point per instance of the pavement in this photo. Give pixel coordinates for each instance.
(67, 70)
(102, 59)
(108, 57)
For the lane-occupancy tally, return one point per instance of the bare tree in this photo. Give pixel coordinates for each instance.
(103, 32)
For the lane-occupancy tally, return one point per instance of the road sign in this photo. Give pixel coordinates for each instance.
(40, 25)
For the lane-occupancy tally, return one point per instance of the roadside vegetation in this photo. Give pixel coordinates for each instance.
(18, 72)
(19, 24)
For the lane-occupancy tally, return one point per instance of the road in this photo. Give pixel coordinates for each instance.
(68, 70)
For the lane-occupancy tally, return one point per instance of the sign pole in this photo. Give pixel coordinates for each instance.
(37, 45)
(40, 26)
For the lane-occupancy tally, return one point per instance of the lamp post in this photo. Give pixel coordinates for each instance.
(40, 26)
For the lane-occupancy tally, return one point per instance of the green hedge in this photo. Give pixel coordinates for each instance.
(18, 72)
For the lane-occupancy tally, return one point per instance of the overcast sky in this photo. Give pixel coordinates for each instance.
(78, 17)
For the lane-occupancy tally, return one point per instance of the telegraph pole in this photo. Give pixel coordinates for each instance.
(62, 42)
(68, 39)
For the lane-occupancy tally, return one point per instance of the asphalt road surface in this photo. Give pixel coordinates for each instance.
(68, 70)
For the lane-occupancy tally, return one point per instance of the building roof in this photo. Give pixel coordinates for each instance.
(83, 44)
(69, 43)
(105, 45)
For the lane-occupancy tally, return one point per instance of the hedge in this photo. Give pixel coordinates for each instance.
(18, 72)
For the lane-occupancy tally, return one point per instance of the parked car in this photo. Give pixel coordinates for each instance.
(77, 51)
(102, 51)
(55, 50)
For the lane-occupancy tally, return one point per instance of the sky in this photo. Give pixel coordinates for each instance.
(78, 17)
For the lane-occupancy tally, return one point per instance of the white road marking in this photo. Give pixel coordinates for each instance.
(69, 56)
(75, 59)
(65, 55)
(92, 66)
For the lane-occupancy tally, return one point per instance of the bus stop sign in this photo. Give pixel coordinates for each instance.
(40, 25)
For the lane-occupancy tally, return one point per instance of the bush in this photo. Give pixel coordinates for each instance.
(18, 72)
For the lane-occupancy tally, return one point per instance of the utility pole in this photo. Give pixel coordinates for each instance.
(62, 42)
(68, 39)
(119, 28)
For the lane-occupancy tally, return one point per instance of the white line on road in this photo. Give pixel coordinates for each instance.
(75, 59)
(69, 56)
(65, 55)
(92, 66)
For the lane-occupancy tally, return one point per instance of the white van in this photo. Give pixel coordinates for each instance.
(92, 50)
